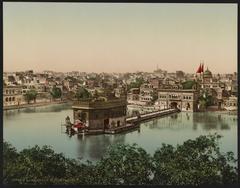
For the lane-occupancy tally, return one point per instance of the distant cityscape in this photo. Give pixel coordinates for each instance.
(159, 88)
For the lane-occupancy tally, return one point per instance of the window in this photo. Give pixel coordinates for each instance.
(6, 91)
(13, 99)
(6, 99)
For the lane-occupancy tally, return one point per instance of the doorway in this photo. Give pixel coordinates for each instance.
(106, 124)
(173, 105)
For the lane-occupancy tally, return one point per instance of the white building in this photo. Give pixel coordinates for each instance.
(185, 100)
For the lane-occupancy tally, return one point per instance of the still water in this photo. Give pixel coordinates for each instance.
(42, 126)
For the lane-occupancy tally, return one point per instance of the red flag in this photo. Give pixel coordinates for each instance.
(202, 68)
(199, 69)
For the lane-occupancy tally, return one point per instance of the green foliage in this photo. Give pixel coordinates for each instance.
(189, 84)
(82, 93)
(56, 92)
(205, 100)
(10, 157)
(30, 95)
(125, 164)
(138, 82)
(154, 97)
(195, 162)
(71, 78)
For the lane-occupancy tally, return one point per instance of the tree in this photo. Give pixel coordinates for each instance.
(138, 82)
(56, 92)
(30, 95)
(10, 156)
(82, 93)
(205, 100)
(189, 84)
(195, 162)
(125, 164)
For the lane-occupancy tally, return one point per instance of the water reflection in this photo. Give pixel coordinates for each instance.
(96, 146)
(205, 121)
(27, 127)
(211, 121)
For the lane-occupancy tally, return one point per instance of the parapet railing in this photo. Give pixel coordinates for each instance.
(149, 112)
(100, 104)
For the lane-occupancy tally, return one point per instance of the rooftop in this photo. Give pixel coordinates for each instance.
(91, 104)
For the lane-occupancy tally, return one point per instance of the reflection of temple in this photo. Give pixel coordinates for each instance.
(94, 147)
(101, 114)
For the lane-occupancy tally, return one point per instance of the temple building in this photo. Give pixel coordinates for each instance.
(102, 113)
(185, 100)
(209, 82)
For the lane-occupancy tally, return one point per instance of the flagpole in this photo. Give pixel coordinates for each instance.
(203, 73)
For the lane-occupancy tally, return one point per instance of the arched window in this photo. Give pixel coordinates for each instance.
(13, 98)
(6, 99)
(10, 99)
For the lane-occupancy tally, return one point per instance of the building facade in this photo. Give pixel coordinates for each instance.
(231, 103)
(101, 114)
(12, 95)
(185, 100)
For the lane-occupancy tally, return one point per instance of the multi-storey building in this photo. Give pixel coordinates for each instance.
(185, 100)
(231, 103)
(12, 95)
(146, 94)
(101, 114)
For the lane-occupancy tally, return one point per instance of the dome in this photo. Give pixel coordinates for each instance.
(207, 74)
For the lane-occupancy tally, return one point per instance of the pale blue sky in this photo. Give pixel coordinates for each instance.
(119, 37)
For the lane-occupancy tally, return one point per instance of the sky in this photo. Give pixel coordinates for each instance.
(119, 37)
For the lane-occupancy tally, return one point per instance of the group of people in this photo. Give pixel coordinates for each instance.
(78, 124)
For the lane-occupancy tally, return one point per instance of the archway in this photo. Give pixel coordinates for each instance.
(106, 124)
(174, 105)
(118, 123)
(82, 116)
(188, 106)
